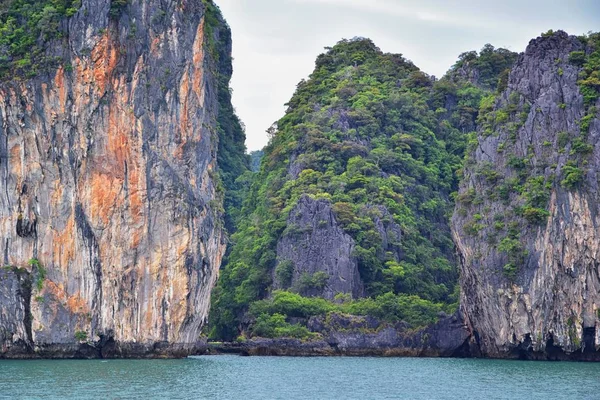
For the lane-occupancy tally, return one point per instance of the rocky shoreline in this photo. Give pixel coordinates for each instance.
(102, 350)
(296, 348)
(343, 335)
(363, 336)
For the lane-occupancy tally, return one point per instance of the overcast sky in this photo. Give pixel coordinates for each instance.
(276, 42)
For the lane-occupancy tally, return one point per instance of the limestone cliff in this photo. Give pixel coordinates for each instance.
(527, 215)
(108, 175)
(313, 243)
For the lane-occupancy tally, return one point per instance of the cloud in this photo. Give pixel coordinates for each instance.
(404, 10)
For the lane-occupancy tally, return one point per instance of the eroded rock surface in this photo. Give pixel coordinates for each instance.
(313, 242)
(526, 229)
(107, 177)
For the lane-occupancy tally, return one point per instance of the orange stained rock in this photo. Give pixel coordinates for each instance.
(154, 293)
(59, 83)
(118, 138)
(104, 196)
(105, 57)
(136, 238)
(155, 45)
(75, 303)
(184, 123)
(15, 161)
(64, 244)
(198, 58)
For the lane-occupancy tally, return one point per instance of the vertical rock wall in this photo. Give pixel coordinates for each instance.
(528, 239)
(313, 243)
(107, 177)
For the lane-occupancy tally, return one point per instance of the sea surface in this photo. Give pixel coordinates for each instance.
(234, 377)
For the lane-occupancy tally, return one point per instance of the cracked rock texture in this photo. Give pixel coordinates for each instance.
(549, 306)
(107, 178)
(314, 242)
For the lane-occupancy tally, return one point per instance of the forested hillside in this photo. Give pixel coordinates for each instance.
(350, 209)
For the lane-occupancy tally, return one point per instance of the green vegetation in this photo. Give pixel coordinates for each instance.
(577, 58)
(275, 325)
(363, 134)
(81, 336)
(589, 77)
(41, 273)
(491, 63)
(26, 27)
(117, 7)
(311, 282)
(284, 273)
(572, 176)
(581, 147)
(255, 159)
(232, 160)
(563, 139)
(513, 249)
(271, 314)
(536, 215)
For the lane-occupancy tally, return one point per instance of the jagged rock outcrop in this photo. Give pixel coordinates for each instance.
(528, 211)
(107, 177)
(343, 335)
(15, 294)
(312, 243)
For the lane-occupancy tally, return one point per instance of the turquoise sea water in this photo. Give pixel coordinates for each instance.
(233, 377)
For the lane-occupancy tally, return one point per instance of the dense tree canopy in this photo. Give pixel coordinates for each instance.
(25, 26)
(367, 131)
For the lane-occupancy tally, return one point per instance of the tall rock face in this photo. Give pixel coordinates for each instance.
(528, 209)
(313, 243)
(108, 171)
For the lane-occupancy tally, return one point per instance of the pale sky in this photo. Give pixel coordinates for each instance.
(276, 42)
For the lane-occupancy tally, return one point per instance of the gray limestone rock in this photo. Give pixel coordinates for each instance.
(313, 242)
(530, 285)
(107, 177)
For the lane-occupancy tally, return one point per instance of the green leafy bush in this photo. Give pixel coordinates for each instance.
(510, 271)
(116, 7)
(563, 140)
(81, 336)
(285, 273)
(312, 282)
(273, 326)
(26, 27)
(513, 248)
(535, 215)
(577, 58)
(581, 147)
(589, 82)
(40, 272)
(572, 176)
(491, 63)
